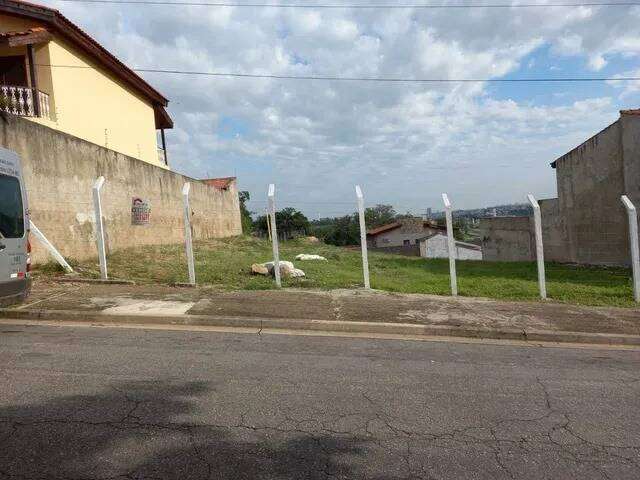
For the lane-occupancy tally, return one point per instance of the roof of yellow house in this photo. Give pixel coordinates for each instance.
(57, 23)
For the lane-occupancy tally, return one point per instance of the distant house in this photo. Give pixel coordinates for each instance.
(436, 246)
(53, 73)
(402, 236)
(586, 223)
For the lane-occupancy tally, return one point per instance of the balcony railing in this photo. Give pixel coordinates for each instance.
(162, 156)
(21, 101)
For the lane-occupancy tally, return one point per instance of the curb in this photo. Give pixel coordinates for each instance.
(95, 281)
(328, 326)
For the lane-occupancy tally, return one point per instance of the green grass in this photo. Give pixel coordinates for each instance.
(225, 264)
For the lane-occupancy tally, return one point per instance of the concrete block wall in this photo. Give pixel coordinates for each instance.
(590, 180)
(554, 231)
(507, 239)
(59, 171)
(587, 223)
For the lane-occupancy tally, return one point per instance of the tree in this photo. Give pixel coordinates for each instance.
(245, 214)
(289, 222)
(379, 215)
(460, 228)
(345, 231)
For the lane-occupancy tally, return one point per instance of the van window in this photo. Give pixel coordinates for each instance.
(11, 211)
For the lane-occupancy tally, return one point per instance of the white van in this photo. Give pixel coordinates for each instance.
(15, 249)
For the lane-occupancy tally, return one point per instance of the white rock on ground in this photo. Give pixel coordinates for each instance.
(296, 273)
(283, 264)
(286, 269)
(305, 256)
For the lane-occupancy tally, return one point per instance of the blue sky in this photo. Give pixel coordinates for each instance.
(483, 143)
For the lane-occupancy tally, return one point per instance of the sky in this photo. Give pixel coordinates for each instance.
(405, 143)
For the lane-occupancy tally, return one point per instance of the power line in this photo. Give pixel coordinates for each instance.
(357, 6)
(369, 79)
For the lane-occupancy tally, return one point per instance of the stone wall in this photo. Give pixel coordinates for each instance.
(59, 171)
(507, 239)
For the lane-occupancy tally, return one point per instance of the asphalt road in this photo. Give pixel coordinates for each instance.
(119, 403)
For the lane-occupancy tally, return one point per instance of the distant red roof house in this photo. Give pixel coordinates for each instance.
(403, 236)
(383, 228)
(221, 183)
(411, 224)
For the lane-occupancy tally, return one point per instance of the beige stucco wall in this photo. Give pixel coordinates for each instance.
(88, 102)
(59, 171)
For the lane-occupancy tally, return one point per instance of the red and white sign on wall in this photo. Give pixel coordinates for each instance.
(140, 211)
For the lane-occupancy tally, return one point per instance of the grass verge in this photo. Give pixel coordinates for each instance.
(226, 263)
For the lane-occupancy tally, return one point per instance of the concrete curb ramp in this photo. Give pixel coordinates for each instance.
(326, 326)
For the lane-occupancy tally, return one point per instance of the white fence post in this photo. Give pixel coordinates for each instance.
(537, 219)
(49, 246)
(97, 206)
(635, 249)
(363, 237)
(274, 233)
(188, 240)
(451, 245)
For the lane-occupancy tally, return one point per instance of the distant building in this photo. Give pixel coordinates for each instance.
(402, 237)
(54, 74)
(587, 223)
(436, 246)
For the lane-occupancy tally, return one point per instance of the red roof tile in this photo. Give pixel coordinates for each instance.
(383, 228)
(219, 183)
(23, 33)
(394, 225)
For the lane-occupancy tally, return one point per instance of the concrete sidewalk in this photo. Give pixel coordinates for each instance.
(342, 310)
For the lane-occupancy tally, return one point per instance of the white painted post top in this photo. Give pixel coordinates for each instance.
(445, 199)
(98, 183)
(358, 191)
(272, 190)
(533, 202)
(186, 188)
(627, 203)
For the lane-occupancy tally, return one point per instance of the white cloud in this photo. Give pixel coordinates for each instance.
(630, 87)
(597, 62)
(568, 45)
(405, 142)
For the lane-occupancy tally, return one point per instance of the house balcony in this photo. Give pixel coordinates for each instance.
(24, 101)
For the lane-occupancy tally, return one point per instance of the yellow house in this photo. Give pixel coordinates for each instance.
(55, 74)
